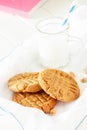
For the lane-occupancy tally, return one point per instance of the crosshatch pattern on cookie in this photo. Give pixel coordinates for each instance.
(24, 82)
(59, 85)
(39, 100)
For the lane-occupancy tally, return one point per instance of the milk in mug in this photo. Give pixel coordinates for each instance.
(53, 43)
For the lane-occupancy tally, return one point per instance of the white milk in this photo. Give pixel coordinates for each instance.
(53, 43)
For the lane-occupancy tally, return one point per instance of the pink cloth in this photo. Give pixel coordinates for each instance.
(23, 5)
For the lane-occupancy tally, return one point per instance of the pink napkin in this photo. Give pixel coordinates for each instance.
(18, 6)
(24, 5)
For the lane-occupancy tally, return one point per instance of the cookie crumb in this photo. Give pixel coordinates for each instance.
(53, 112)
(72, 74)
(85, 70)
(84, 80)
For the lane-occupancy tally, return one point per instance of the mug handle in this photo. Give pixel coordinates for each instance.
(76, 45)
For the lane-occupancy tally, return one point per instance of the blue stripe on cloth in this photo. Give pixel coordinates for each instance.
(80, 123)
(4, 110)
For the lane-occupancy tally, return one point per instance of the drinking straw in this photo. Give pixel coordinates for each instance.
(71, 9)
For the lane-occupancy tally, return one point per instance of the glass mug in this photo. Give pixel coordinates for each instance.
(54, 43)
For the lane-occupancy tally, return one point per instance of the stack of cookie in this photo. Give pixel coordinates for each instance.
(42, 90)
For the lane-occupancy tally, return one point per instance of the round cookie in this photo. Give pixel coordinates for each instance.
(59, 85)
(25, 82)
(39, 100)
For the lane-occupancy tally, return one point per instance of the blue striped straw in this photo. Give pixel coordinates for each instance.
(71, 9)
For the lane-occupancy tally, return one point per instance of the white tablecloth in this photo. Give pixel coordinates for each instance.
(24, 57)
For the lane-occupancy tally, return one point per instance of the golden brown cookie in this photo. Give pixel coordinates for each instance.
(25, 82)
(59, 85)
(39, 100)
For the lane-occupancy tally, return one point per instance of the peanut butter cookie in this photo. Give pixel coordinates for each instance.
(39, 100)
(59, 85)
(26, 82)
